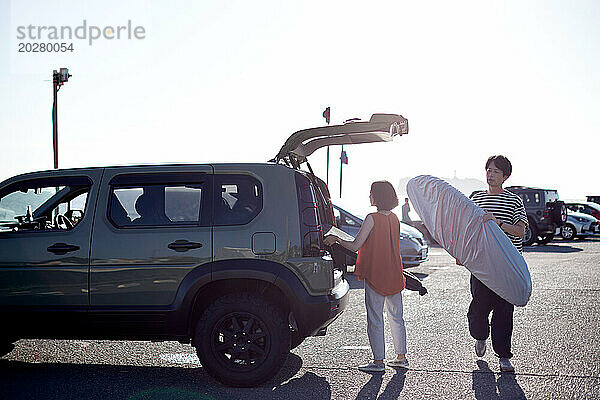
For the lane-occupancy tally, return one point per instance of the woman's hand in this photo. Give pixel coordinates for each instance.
(330, 240)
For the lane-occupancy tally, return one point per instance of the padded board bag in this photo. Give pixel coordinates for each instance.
(483, 248)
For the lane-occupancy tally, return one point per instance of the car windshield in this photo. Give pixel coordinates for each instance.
(16, 203)
(551, 195)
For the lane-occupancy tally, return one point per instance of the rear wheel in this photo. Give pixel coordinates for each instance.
(558, 210)
(531, 234)
(568, 232)
(242, 340)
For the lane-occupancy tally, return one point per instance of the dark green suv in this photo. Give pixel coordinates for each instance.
(228, 257)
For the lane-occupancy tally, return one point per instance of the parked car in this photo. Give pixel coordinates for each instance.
(227, 257)
(593, 199)
(413, 246)
(579, 225)
(586, 207)
(545, 213)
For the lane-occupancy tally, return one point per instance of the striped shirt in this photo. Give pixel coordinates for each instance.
(507, 207)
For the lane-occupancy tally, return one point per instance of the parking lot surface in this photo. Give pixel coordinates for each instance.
(556, 343)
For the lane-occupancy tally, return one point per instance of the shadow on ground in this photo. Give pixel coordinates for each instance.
(392, 389)
(20, 380)
(487, 387)
(551, 248)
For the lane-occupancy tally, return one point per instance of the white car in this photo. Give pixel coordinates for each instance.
(578, 225)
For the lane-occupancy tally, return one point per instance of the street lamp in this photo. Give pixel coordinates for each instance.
(58, 79)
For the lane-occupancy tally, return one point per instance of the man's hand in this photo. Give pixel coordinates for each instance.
(489, 216)
(330, 240)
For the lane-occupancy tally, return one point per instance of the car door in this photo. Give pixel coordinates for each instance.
(153, 227)
(43, 260)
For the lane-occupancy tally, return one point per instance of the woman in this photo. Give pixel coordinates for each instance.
(380, 265)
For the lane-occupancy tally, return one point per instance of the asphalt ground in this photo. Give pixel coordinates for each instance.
(556, 342)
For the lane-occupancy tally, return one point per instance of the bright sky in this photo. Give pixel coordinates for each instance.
(229, 81)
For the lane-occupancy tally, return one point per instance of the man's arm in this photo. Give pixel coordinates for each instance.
(517, 229)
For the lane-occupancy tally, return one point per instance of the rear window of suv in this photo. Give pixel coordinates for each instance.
(148, 200)
(237, 198)
(156, 205)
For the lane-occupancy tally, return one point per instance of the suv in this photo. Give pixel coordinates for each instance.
(227, 257)
(545, 213)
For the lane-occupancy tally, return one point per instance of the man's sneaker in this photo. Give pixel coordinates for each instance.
(398, 363)
(480, 348)
(372, 367)
(506, 365)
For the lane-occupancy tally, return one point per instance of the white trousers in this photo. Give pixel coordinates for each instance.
(375, 330)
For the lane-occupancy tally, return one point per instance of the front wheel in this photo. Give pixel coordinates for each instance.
(242, 340)
(568, 232)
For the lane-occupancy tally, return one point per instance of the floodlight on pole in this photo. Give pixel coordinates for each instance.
(58, 79)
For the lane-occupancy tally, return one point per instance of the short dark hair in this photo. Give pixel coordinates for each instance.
(384, 195)
(502, 163)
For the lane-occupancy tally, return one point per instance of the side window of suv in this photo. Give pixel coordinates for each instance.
(237, 199)
(157, 204)
(44, 204)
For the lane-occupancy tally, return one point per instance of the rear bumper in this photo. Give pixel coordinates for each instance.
(414, 257)
(547, 228)
(315, 314)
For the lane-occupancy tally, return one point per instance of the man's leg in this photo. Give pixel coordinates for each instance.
(502, 327)
(479, 310)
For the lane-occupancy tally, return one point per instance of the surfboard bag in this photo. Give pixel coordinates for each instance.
(483, 248)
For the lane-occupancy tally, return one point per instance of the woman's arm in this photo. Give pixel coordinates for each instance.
(359, 240)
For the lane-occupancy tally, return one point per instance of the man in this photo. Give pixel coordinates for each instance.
(505, 209)
(405, 210)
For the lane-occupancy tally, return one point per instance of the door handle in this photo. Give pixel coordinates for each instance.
(184, 245)
(62, 248)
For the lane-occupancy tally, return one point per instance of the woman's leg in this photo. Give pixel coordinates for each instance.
(374, 303)
(396, 318)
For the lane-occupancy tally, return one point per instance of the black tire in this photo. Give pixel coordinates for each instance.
(545, 239)
(531, 234)
(558, 211)
(568, 232)
(242, 340)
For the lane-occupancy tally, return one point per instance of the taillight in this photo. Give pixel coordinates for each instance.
(311, 231)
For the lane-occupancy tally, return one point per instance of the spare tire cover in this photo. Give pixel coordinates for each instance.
(483, 248)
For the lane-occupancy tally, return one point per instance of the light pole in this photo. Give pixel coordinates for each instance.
(58, 79)
(327, 116)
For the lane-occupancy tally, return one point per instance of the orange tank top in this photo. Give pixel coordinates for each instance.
(379, 260)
